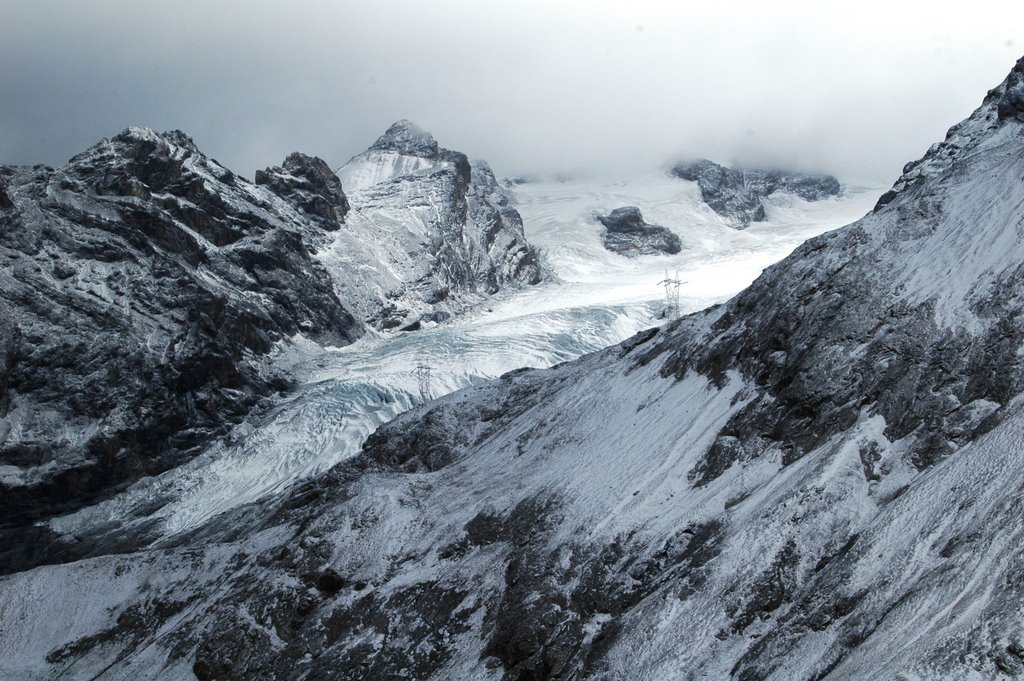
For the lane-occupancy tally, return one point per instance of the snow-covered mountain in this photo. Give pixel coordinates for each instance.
(594, 298)
(440, 232)
(819, 479)
(151, 300)
(144, 289)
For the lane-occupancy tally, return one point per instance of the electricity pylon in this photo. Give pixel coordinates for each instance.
(423, 380)
(671, 285)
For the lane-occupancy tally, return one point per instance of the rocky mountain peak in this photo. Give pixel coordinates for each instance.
(142, 134)
(308, 183)
(452, 232)
(137, 141)
(139, 162)
(405, 137)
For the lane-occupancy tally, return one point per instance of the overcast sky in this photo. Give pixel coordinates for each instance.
(854, 88)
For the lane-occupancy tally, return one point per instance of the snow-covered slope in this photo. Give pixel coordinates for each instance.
(430, 233)
(817, 479)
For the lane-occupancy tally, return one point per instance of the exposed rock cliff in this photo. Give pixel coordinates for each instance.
(308, 183)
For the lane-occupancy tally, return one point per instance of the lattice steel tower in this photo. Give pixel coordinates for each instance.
(671, 285)
(423, 380)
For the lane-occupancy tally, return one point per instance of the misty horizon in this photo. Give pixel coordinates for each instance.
(575, 89)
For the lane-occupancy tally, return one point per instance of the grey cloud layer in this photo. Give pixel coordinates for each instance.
(530, 86)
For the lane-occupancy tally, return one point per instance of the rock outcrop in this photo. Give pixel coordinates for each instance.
(627, 234)
(143, 288)
(737, 193)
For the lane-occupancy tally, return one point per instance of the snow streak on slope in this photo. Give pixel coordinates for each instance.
(597, 299)
(380, 166)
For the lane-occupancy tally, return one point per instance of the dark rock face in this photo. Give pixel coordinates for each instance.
(141, 286)
(5, 198)
(737, 193)
(510, 259)
(1011, 99)
(627, 234)
(310, 185)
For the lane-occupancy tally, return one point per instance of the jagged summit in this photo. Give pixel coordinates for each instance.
(137, 133)
(405, 137)
(138, 141)
(141, 162)
(403, 149)
(310, 184)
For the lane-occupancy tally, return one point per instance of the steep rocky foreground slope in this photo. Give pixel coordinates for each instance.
(819, 479)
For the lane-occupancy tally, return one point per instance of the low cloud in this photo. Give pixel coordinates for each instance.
(599, 87)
